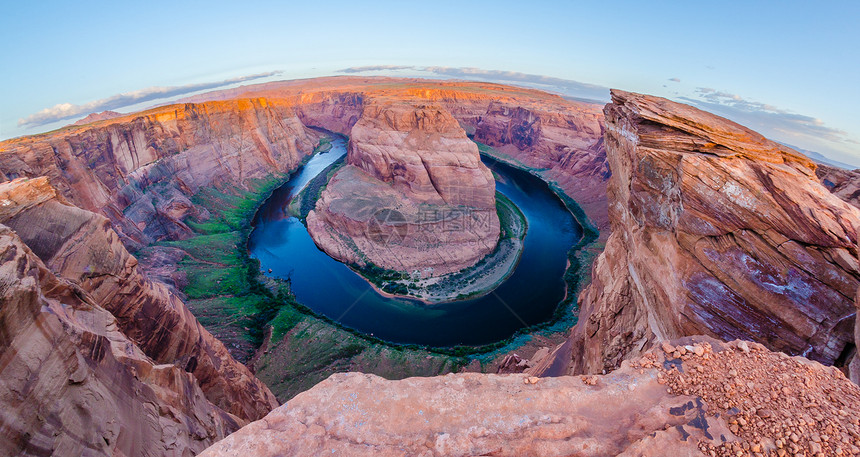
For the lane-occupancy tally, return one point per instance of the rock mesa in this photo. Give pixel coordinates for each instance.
(414, 195)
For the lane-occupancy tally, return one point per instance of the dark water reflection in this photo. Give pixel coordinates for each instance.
(529, 296)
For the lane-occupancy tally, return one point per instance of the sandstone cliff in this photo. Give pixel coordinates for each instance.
(141, 170)
(564, 141)
(413, 197)
(854, 364)
(72, 384)
(845, 184)
(715, 230)
(80, 246)
(692, 397)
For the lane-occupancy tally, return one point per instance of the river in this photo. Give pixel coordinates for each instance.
(529, 296)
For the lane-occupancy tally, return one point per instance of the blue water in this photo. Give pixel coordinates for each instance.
(529, 296)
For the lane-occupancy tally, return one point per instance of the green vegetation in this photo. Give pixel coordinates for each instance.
(313, 349)
(510, 217)
(324, 145)
(223, 288)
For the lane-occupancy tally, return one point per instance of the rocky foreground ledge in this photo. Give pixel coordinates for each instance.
(694, 396)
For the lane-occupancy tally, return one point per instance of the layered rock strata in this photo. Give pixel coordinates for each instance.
(560, 139)
(695, 396)
(564, 142)
(81, 247)
(71, 383)
(845, 184)
(715, 230)
(854, 364)
(142, 170)
(413, 197)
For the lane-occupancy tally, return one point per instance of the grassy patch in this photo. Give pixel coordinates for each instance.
(510, 216)
(313, 350)
(222, 288)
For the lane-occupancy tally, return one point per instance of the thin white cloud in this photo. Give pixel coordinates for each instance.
(565, 86)
(65, 111)
(736, 107)
(780, 124)
(376, 68)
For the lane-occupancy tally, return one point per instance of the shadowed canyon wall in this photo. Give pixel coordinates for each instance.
(71, 383)
(715, 230)
(81, 247)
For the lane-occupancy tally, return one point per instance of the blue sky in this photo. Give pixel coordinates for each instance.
(787, 69)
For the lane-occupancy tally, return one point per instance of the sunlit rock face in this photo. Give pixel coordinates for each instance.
(715, 230)
(413, 172)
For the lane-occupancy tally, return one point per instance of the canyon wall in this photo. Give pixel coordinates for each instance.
(854, 364)
(845, 184)
(564, 141)
(72, 384)
(142, 170)
(414, 195)
(719, 231)
(80, 246)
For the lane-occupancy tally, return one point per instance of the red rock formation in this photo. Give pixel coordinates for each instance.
(845, 184)
(702, 397)
(73, 384)
(416, 163)
(563, 138)
(423, 153)
(854, 364)
(140, 170)
(81, 246)
(715, 230)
